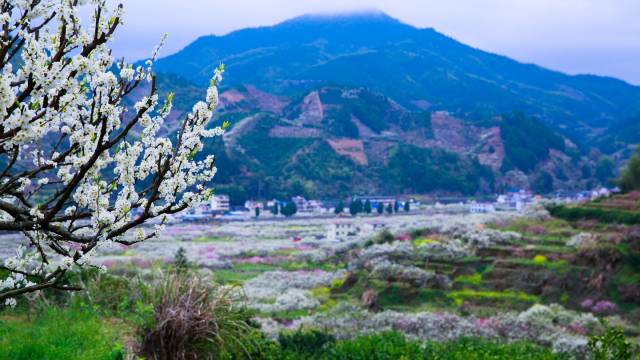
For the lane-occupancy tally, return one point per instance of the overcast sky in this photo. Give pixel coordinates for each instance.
(575, 36)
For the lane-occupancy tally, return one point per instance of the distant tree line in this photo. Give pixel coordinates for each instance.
(630, 176)
(357, 206)
(287, 209)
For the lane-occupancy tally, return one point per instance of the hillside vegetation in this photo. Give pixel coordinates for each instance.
(319, 95)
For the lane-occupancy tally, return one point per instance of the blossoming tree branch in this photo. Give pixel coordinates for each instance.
(79, 168)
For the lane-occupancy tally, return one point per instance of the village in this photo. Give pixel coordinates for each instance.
(220, 207)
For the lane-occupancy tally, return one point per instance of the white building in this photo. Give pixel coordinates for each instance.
(480, 208)
(253, 205)
(341, 230)
(514, 200)
(308, 206)
(316, 206)
(301, 204)
(373, 228)
(602, 192)
(220, 203)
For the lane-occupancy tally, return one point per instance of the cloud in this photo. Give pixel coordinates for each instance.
(574, 36)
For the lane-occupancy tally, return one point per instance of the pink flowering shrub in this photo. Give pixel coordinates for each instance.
(141, 263)
(484, 322)
(403, 237)
(535, 230)
(261, 260)
(501, 223)
(604, 307)
(577, 328)
(109, 264)
(587, 304)
(252, 260)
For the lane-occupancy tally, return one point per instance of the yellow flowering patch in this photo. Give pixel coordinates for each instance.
(539, 259)
(424, 241)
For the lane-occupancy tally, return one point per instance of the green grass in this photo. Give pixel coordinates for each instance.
(287, 315)
(242, 272)
(402, 297)
(284, 252)
(473, 280)
(295, 266)
(469, 260)
(555, 265)
(553, 249)
(395, 346)
(508, 296)
(60, 334)
(211, 239)
(302, 227)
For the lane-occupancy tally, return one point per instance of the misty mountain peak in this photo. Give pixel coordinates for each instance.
(367, 16)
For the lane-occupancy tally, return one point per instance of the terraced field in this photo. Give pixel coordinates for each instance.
(502, 276)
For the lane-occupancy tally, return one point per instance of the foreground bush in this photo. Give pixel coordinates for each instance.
(305, 343)
(393, 346)
(612, 345)
(60, 334)
(191, 319)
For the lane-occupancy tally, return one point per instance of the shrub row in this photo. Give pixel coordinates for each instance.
(599, 214)
(393, 345)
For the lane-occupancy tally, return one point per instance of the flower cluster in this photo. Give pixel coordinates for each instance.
(281, 290)
(394, 250)
(487, 237)
(80, 166)
(290, 300)
(450, 250)
(386, 270)
(602, 307)
(582, 240)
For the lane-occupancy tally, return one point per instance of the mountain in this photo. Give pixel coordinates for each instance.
(418, 68)
(333, 105)
(621, 136)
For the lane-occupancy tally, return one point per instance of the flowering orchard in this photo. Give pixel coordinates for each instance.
(80, 169)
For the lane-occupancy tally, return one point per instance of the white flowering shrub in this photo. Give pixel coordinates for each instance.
(394, 250)
(558, 315)
(312, 256)
(582, 240)
(347, 320)
(539, 211)
(78, 168)
(387, 270)
(489, 237)
(284, 290)
(290, 300)
(448, 251)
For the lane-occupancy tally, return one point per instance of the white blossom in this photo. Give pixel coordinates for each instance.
(11, 302)
(106, 148)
